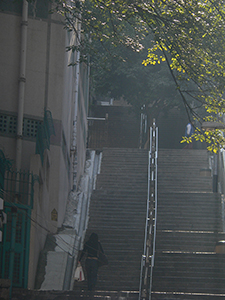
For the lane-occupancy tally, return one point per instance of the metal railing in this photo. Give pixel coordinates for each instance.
(148, 257)
(221, 184)
(97, 132)
(18, 188)
(143, 130)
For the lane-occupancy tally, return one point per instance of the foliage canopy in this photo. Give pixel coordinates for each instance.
(186, 35)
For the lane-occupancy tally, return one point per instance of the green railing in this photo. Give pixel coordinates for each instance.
(18, 188)
(17, 194)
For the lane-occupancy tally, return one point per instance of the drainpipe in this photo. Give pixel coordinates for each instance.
(22, 81)
(70, 257)
(74, 142)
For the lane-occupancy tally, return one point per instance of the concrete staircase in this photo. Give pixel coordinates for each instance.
(117, 215)
(188, 227)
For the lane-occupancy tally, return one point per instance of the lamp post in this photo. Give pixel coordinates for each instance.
(210, 126)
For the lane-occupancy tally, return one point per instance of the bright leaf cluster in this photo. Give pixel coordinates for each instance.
(187, 35)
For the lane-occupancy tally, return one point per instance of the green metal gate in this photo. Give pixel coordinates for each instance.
(14, 249)
(20, 250)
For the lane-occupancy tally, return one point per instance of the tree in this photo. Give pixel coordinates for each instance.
(130, 79)
(187, 35)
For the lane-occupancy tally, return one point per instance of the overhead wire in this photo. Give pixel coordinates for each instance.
(43, 227)
(40, 225)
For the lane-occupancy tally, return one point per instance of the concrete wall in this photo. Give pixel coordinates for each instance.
(40, 215)
(49, 85)
(9, 60)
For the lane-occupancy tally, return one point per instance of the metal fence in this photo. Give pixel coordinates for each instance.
(18, 188)
(17, 194)
(97, 132)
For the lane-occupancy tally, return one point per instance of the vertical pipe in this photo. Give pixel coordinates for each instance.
(70, 258)
(74, 142)
(22, 81)
(47, 59)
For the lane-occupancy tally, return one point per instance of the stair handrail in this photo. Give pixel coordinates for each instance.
(221, 183)
(148, 257)
(143, 128)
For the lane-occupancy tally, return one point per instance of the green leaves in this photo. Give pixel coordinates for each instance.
(214, 138)
(186, 36)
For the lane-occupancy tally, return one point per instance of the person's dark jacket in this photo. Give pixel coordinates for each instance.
(91, 251)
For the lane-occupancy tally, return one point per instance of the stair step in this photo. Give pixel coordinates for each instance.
(187, 241)
(117, 215)
(79, 292)
(188, 221)
(189, 272)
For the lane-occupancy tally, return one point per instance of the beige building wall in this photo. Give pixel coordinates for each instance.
(49, 85)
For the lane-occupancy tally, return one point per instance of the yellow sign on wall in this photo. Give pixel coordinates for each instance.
(54, 215)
